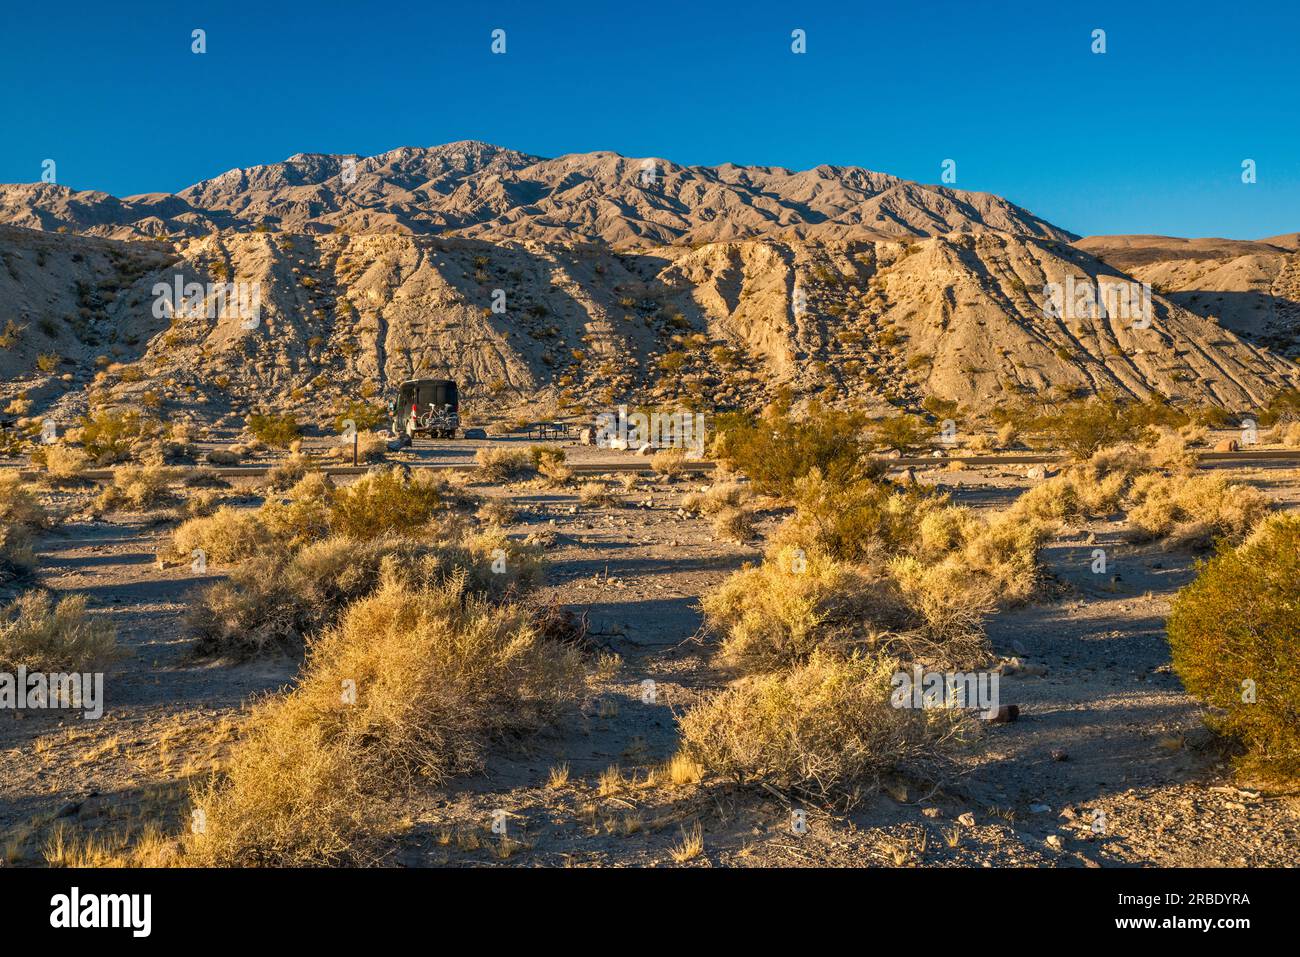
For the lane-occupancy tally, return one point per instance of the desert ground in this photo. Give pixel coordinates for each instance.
(1104, 725)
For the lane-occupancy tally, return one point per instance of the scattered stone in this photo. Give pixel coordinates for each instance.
(966, 820)
(1005, 714)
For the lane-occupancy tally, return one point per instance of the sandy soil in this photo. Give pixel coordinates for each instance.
(1104, 725)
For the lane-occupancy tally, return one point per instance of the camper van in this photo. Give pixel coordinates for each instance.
(426, 407)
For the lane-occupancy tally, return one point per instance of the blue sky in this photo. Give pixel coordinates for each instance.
(1148, 137)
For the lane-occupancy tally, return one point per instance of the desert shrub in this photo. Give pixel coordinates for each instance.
(1084, 427)
(63, 463)
(551, 463)
(776, 450)
(20, 510)
(716, 498)
(277, 598)
(109, 435)
(303, 515)
(232, 455)
(596, 494)
(439, 677)
(825, 727)
(853, 522)
(669, 463)
(1284, 406)
(1233, 633)
(137, 487)
(902, 432)
(778, 613)
(228, 535)
(288, 471)
(504, 465)
(41, 635)
(385, 501)
(1194, 510)
(275, 429)
(365, 415)
(497, 511)
(734, 524)
(1096, 487)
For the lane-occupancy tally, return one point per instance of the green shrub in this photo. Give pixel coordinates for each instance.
(776, 450)
(1234, 631)
(276, 429)
(109, 435)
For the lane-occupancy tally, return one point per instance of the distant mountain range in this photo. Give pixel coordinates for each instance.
(482, 191)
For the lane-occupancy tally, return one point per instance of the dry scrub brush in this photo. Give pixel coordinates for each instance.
(1178, 507)
(21, 517)
(504, 465)
(825, 727)
(138, 488)
(413, 685)
(41, 635)
(1233, 632)
(278, 598)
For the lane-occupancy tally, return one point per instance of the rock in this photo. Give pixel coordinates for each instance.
(1054, 842)
(1006, 714)
(893, 454)
(1037, 473)
(907, 477)
(475, 434)
(930, 811)
(585, 437)
(966, 819)
(645, 449)
(1040, 809)
(1059, 755)
(1227, 445)
(69, 809)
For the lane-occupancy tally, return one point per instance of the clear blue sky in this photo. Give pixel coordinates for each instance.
(1148, 137)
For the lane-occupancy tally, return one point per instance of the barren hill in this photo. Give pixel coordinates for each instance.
(719, 325)
(1252, 288)
(481, 191)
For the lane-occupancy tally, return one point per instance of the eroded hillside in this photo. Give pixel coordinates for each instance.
(520, 322)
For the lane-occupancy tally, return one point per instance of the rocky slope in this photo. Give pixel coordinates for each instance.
(476, 190)
(1252, 288)
(520, 322)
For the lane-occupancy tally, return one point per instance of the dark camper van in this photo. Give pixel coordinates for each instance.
(427, 407)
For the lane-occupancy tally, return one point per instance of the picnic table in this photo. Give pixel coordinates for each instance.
(549, 430)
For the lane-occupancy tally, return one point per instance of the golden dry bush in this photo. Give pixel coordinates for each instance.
(43, 635)
(21, 517)
(1233, 633)
(228, 535)
(596, 494)
(1195, 510)
(780, 612)
(65, 464)
(496, 511)
(277, 599)
(412, 686)
(288, 471)
(385, 501)
(504, 465)
(138, 487)
(734, 525)
(1095, 488)
(669, 463)
(716, 498)
(825, 727)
